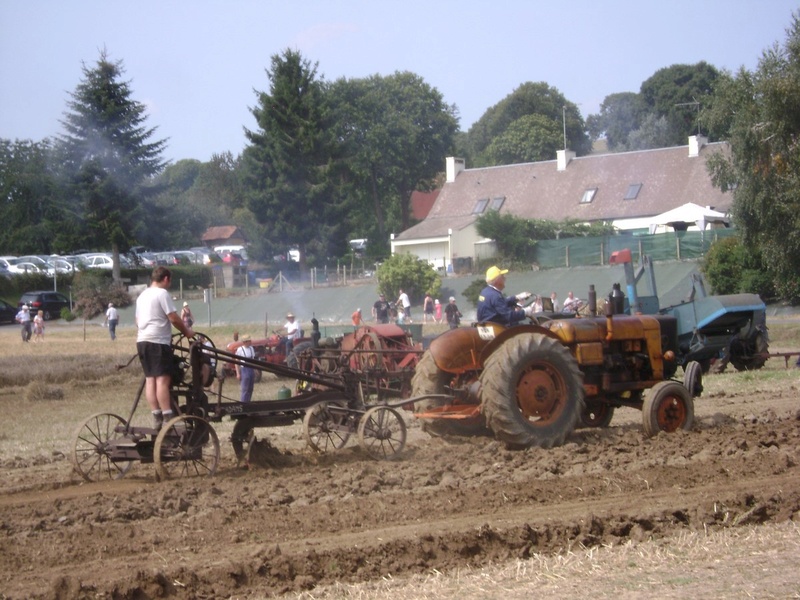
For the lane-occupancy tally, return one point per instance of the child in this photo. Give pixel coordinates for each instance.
(438, 309)
(38, 326)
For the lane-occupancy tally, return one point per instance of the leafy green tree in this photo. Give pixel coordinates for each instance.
(30, 212)
(93, 290)
(395, 133)
(288, 157)
(761, 114)
(620, 114)
(527, 139)
(732, 269)
(107, 158)
(677, 93)
(654, 132)
(408, 273)
(528, 99)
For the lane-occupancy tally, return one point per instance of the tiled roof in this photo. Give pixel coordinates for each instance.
(222, 232)
(669, 178)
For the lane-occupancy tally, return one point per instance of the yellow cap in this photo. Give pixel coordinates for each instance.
(493, 273)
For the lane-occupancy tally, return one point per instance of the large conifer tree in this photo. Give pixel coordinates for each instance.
(108, 159)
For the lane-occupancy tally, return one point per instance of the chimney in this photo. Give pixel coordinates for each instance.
(454, 166)
(563, 158)
(695, 143)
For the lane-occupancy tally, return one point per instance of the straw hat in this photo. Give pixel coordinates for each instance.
(245, 338)
(290, 316)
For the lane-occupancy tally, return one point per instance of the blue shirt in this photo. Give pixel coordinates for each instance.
(495, 307)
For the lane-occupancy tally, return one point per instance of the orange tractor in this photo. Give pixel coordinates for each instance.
(533, 384)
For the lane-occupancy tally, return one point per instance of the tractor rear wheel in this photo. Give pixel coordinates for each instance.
(532, 392)
(430, 379)
(750, 356)
(667, 407)
(693, 378)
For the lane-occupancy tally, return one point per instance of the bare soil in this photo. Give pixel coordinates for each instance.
(293, 521)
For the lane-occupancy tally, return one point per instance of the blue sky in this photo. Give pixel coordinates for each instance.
(196, 64)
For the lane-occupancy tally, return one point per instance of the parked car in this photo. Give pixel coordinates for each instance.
(49, 302)
(7, 261)
(205, 256)
(7, 312)
(22, 267)
(104, 261)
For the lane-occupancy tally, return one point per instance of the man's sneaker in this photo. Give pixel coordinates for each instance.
(158, 421)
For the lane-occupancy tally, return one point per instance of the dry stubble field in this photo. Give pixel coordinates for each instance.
(708, 513)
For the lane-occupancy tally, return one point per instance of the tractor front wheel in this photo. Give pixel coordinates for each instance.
(532, 392)
(667, 407)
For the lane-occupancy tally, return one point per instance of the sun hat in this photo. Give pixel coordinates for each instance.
(289, 316)
(452, 299)
(186, 304)
(245, 338)
(493, 273)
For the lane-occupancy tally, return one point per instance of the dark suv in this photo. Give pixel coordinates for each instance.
(50, 302)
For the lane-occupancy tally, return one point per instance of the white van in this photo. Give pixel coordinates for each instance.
(223, 250)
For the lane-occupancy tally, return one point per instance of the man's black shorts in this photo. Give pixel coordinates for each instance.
(156, 359)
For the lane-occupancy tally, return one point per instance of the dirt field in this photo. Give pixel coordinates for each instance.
(706, 513)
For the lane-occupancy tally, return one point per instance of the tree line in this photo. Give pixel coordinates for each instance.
(326, 161)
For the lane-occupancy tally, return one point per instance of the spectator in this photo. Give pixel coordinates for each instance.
(186, 315)
(292, 328)
(404, 303)
(427, 309)
(38, 327)
(537, 304)
(24, 318)
(554, 299)
(155, 317)
(112, 318)
(356, 317)
(245, 373)
(380, 310)
(452, 313)
(494, 306)
(570, 304)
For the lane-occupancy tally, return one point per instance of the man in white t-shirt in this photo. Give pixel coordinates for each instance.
(292, 328)
(244, 372)
(112, 318)
(155, 317)
(404, 303)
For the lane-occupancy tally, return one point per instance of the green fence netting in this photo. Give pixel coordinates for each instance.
(595, 251)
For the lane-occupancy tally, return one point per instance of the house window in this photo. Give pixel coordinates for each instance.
(588, 195)
(497, 203)
(633, 191)
(480, 206)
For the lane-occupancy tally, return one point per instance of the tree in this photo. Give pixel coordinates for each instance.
(287, 161)
(29, 211)
(677, 93)
(620, 114)
(527, 139)
(760, 112)
(107, 159)
(528, 99)
(395, 133)
(732, 269)
(409, 273)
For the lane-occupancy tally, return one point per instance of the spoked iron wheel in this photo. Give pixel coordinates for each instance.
(326, 430)
(91, 455)
(667, 407)
(382, 433)
(186, 446)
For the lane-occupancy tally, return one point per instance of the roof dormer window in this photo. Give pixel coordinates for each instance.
(633, 191)
(480, 206)
(497, 203)
(588, 195)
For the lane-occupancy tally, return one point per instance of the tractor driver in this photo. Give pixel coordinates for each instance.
(494, 306)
